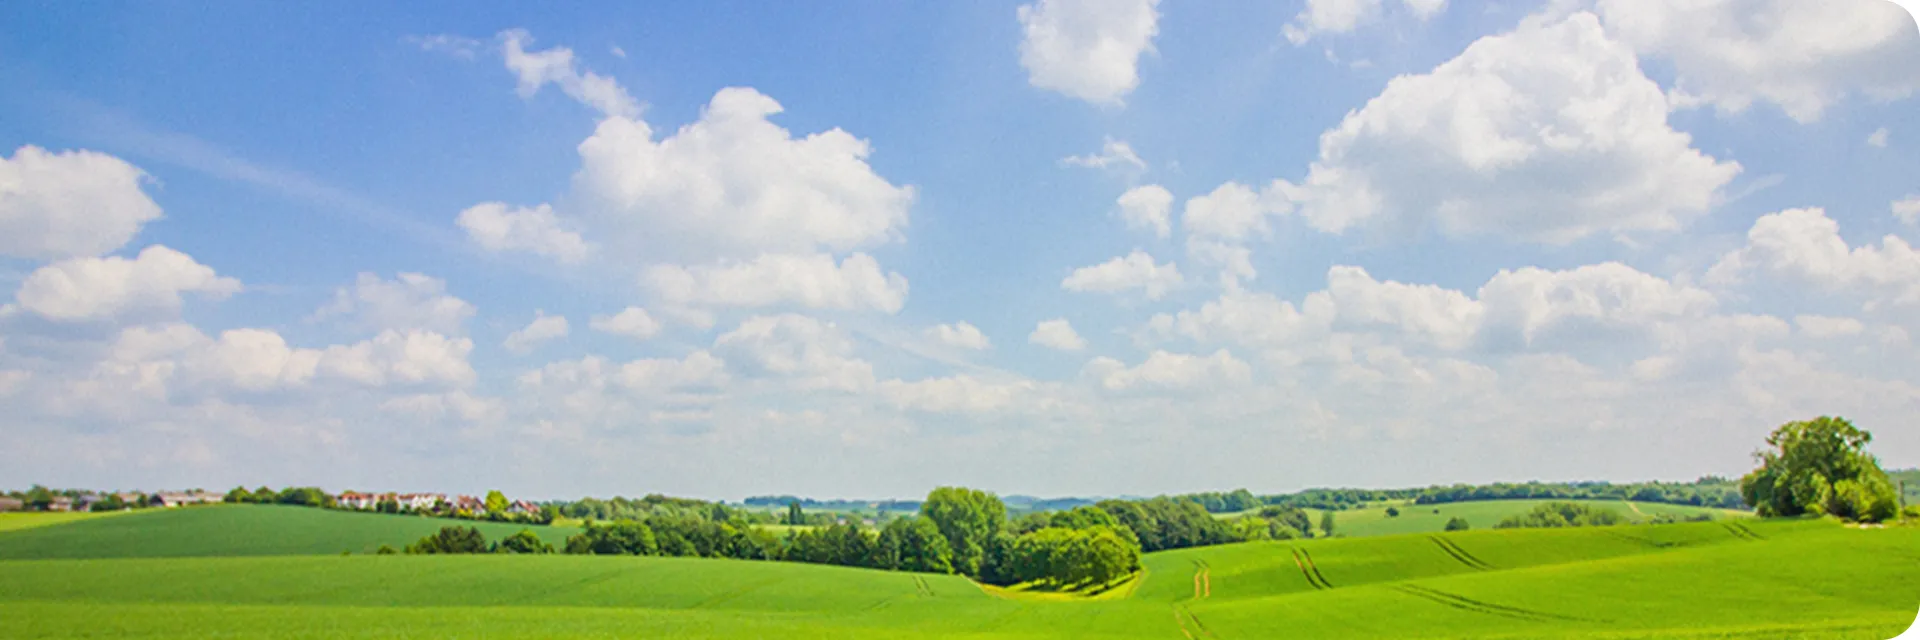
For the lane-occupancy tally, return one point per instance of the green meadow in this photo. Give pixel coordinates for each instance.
(276, 572)
(1484, 514)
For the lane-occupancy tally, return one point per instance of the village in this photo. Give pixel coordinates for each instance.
(42, 499)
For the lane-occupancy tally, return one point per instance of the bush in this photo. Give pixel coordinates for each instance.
(1562, 514)
(620, 538)
(1393, 512)
(1457, 523)
(385, 550)
(526, 541)
(451, 540)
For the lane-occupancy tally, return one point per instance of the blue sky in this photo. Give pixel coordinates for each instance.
(823, 251)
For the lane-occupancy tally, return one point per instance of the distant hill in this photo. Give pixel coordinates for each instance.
(238, 530)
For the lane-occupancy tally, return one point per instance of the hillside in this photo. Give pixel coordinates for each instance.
(235, 530)
(1481, 514)
(1721, 579)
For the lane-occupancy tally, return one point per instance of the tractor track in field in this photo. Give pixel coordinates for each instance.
(717, 599)
(1307, 568)
(1181, 616)
(1464, 603)
(1742, 532)
(1460, 554)
(1202, 580)
(920, 584)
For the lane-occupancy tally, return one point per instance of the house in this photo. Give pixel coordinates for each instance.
(470, 503)
(60, 503)
(523, 507)
(421, 501)
(12, 504)
(357, 500)
(181, 498)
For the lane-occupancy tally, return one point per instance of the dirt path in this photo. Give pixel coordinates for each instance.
(1634, 507)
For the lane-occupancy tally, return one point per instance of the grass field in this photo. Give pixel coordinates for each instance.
(1484, 514)
(29, 520)
(1745, 578)
(236, 530)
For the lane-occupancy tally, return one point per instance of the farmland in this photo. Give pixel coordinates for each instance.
(135, 575)
(1484, 514)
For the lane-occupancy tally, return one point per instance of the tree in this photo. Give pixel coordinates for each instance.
(526, 541)
(451, 540)
(110, 503)
(795, 516)
(1393, 512)
(968, 518)
(1820, 466)
(385, 550)
(1457, 523)
(496, 502)
(620, 538)
(239, 494)
(913, 544)
(1326, 524)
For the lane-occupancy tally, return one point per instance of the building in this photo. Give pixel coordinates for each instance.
(179, 498)
(420, 501)
(470, 503)
(12, 504)
(523, 507)
(357, 500)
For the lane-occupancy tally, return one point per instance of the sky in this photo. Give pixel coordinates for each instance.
(864, 249)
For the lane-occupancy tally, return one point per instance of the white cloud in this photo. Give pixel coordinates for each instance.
(496, 227)
(543, 328)
(1057, 334)
(1425, 9)
(1804, 245)
(1430, 313)
(1147, 207)
(101, 288)
(1535, 302)
(1329, 16)
(1136, 270)
(633, 322)
(1232, 211)
(1822, 327)
(1549, 133)
(1907, 209)
(409, 301)
(1087, 49)
(960, 334)
(257, 360)
(697, 371)
(814, 354)
(1257, 320)
(456, 46)
(538, 68)
(1801, 56)
(1878, 138)
(954, 394)
(734, 185)
(69, 204)
(1114, 154)
(459, 405)
(1171, 371)
(813, 281)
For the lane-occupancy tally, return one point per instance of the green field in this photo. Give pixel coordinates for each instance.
(1746, 578)
(1483, 514)
(29, 520)
(237, 530)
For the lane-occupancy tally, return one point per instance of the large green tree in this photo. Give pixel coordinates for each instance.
(913, 544)
(969, 518)
(1820, 466)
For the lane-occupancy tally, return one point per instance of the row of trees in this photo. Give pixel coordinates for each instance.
(455, 539)
(1709, 491)
(1563, 514)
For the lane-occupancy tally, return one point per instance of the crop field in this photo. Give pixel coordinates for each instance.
(1744, 578)
(29, 520)
(1483, 514)
(236, 530)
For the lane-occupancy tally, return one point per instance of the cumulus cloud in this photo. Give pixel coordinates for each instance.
(1114, 154)
(1429, 313)
(632, 322)
(458, 405)
(1134, 271)
(1828, 326)
(556, 66)
(1878, 139)
(954, 394)
(543, 328)
(1170, 371)
(1907, 209)
(1804, 246)
(69, 204)
(82, 289)
(1536, 303)
(812, 281)
(496, 227)
(1329, 16)
(960, 334)
(697, 371)
(1803, 57)
(1057, 334)
(1087, 49)
(1549, 133)
(813, 354)
(409, 301)
(1148, 207)
(258, 360)
(733, 184)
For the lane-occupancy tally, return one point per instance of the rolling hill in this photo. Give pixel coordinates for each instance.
(1736, 578)
(235, 530)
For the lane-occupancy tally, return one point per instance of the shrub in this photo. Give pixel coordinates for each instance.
(1457, 523)
(451, 540)
(1562, 514)
(1393, 512)
(385, 550)
(526, 541)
